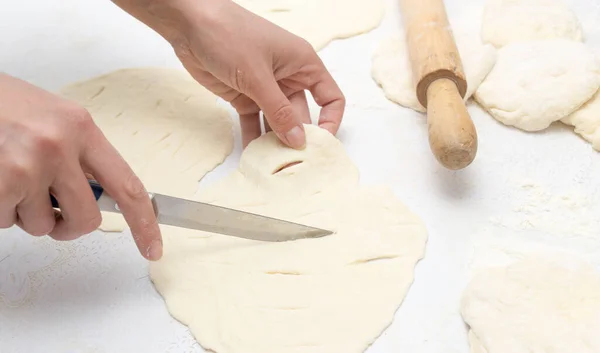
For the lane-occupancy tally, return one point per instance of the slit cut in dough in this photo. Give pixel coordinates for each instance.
(222, 287)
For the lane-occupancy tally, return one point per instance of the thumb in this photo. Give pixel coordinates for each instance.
(279, 113)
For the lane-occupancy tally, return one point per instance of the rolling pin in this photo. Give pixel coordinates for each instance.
(439, 81)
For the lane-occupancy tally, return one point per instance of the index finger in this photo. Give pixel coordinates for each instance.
(330, 98)
(120, 182)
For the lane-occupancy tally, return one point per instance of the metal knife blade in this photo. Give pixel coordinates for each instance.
(215, 219)
(222, 220)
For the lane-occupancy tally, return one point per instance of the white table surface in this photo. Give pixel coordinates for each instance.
(94, 295)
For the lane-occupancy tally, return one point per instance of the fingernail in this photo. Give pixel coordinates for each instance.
(155, 251)
(296, 137)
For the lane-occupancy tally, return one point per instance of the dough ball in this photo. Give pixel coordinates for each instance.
(320, 21)
(391, 67)
(508, 21)
(536, 83)
(164, 124)
(539, 304)
(586, 121)
(331, 294)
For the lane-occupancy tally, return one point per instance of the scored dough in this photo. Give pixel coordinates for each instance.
(509, 21)
(331, 294)
(539, 304)
(586, 121)
(320, 21)
(165, 125)
(536, 83)
(391, 67)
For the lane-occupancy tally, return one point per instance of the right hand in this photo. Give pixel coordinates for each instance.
(47, 145)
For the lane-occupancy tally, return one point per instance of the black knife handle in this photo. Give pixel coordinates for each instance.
(97, 189)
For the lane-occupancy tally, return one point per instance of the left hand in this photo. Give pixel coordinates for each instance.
(248, 61)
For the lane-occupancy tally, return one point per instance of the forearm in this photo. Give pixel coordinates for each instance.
(169, 18)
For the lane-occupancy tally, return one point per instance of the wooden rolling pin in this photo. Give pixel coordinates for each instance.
(440, 82)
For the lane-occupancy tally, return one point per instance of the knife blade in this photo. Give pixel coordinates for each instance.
(211, 218)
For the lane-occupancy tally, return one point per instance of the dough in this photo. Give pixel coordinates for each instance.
(320, 21)
(586, 121)
(536, 83)
(166, 126)
(508, 21)
(331, 294)
(474, 343)
(542, 304)
(391, 67)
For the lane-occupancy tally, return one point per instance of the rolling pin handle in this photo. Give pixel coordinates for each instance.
(452, 134)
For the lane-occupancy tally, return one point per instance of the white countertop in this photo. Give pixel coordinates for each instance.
(94, 295)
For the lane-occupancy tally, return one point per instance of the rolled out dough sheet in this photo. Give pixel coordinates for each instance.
(586, 121)
(391, 67)
(541, 303)
(536, 83)
(331, 294)
(509, 21)
(320, 21)
(167, 127)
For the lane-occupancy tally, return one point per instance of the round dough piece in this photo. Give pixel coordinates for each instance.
(320, 21)
(391, 67)
(324, 295)
(536, 83)
(509, 21)
(586, 121)
(165, 125)
(539, 304)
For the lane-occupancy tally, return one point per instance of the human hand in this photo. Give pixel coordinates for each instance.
(47, 145)
(248, 61)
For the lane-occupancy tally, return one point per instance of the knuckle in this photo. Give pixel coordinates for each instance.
(49, 141)
(19, 172)
(39, 228)
(134, 188)
(282, 117)
(90, 224)
(240, 80)
(342, 100)
(78, 117)
(7, 219)
(304, 45)
(5, 190)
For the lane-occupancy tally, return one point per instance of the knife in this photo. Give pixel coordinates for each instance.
(211, 218)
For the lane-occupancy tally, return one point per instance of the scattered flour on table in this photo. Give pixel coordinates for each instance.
(566, 214)
(23, 261)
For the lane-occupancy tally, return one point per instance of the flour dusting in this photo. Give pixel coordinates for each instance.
(565, 214)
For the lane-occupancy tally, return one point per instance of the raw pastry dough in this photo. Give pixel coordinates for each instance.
(536, 83)
(391, 67)
(586, 121)
(540, 304)
(320, 21)
(508, 21)
(332, 294)
(166, 125)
